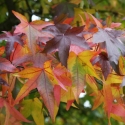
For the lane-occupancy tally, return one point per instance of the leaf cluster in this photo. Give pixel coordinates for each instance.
(46, 63)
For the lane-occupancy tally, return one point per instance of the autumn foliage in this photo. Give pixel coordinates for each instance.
(57, 60)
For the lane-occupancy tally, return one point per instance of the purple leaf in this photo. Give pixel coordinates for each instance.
(102, 59)
(123, 82)
(11, 39)
(109, 40)
(38, 60)
(6, 65)
(65, 35)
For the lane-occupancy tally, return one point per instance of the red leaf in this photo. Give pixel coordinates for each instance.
(57, 94)
(45, 89)
(69, 103)
(63, 76)
(17, 114)
(108, 98)
(118, 109)
(1, 102)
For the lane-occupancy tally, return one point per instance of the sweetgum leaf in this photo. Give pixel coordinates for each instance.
(65, 35)
(11, 38)
(38, 60)
(102, 59)
(3, 82)
(6, 65)
(108, 39)
(32, 30)
(79, 65)
(108, 98)
(45, 89)
(118, 109)
(15, 113)
(43, 79)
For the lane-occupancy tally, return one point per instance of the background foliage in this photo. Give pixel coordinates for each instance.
(113, 9)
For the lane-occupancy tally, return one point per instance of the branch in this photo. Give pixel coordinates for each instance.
(11, 20)
(2, 3)
(10, 6)
(29, 9)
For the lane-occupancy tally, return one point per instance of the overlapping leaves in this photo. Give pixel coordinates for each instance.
(56, 64)
(65, 35)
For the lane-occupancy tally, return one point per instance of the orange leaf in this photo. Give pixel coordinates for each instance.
(57, 94)
(2, 49)
(99, 99)
(28, 72)
(108, 98)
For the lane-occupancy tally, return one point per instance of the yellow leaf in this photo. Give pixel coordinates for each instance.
(37, 112)
(114, 78)
(26, 108)
(49, 72)
(28, 72)
(118, 118)
(122, 65)
(79, 65)
(92, 83)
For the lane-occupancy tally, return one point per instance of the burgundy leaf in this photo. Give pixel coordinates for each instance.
(65, 35)
(39, 60)
(23, 59)
(102, 59)
(45, 89)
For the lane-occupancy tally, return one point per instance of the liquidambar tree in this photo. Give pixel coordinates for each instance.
(56, 60)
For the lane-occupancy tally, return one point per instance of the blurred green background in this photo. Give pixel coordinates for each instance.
(43, 9)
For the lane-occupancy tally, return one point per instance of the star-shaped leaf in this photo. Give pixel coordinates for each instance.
(108, 39)
(11, 38)
(43, 79)
(6, 65)
(102, 59)
(32, 30)
(79, 65)
(65, 35)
